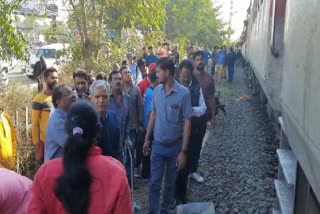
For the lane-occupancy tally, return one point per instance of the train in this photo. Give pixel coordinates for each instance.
(280, 43)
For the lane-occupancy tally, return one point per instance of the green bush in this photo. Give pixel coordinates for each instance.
(16, 102)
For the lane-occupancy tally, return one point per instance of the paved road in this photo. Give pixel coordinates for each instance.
(17, 77)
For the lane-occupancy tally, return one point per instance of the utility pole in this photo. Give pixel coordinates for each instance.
(52, 12)
(230, 18)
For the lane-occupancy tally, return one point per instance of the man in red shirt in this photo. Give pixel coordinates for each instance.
(144, 84)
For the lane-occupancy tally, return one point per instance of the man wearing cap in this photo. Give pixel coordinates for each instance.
(144, 84)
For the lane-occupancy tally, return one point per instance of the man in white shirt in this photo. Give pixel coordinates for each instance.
(198, 127)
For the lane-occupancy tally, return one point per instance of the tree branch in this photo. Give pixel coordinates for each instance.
(84, 19)
(78, 23)
(101, 15)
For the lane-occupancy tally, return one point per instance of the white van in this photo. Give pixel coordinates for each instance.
(50, 55)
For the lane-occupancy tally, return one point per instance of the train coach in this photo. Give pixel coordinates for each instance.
(281, 44)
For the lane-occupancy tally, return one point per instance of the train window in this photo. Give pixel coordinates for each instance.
(277, 30)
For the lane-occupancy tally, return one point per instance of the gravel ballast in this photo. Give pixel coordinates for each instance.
(238, 161)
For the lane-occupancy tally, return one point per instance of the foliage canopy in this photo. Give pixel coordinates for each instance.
(12, 43)
(194, 20)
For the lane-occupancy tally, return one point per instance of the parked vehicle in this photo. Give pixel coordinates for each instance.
(53, 55)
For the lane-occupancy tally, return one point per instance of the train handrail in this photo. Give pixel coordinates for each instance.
(274, 52)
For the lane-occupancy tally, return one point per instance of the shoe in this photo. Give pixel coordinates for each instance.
(174, 205)
(137, 173)
(136, 208)
(195, 176)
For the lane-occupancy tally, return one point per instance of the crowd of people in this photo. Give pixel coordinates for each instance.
(146, 119)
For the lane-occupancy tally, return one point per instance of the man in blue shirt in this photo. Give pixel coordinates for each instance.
(230, 61)
(136, 117)
(119, 102)
(147, 109)
(134, 69)
(109, 137)
(62, 98)
(214, 57)
(148, 98)
(151, 58)
(220, 65)
(170, 121)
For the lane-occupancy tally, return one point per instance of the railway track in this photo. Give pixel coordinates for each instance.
(239, 160)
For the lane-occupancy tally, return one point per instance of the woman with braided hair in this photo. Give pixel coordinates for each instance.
(83, 181)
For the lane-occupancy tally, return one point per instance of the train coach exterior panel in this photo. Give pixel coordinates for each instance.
(301, 86)
(257, 45)
(265, 30)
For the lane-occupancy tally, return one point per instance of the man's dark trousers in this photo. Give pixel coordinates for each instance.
(198, 131)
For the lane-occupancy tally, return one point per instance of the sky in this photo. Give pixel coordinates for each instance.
(240, 12)
(239, 8)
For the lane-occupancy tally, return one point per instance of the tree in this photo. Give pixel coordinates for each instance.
(57, 32)
(91, 19)
(194, 20)
(12, 43)
(29, 27)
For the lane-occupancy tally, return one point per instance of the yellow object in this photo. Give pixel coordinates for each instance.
(41, 107)
(8, 143)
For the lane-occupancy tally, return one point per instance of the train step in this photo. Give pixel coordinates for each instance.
(280, 120)
(288, 164)
(285, 195)
(276, 211)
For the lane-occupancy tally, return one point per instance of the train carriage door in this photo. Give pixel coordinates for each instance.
(277, 27)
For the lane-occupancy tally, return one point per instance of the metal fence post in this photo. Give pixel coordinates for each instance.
(27, 122)
(16, 119)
